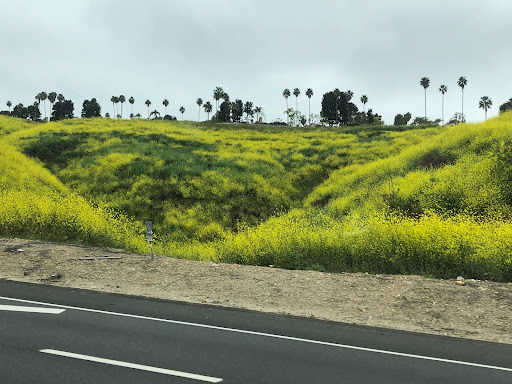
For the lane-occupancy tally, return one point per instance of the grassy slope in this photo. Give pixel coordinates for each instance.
(431, 201)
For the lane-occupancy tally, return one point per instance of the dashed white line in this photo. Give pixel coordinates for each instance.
(140, 367)
(17, 308)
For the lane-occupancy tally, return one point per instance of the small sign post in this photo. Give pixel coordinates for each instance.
(149, 235)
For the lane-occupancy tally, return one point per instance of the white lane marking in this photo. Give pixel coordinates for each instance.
(16, 308)
(344, 346)
(140, 367)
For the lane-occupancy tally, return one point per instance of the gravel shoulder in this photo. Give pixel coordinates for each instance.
(472, 309)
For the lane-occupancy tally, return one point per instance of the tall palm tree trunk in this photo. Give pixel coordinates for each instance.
(287, 115)
(442, 115)
(297, 110)
(462, 117)
(309, 111)
(425, 103)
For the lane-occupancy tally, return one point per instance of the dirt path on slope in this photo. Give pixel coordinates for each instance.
(472, 309)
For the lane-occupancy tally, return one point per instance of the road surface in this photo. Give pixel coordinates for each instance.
(60, 335)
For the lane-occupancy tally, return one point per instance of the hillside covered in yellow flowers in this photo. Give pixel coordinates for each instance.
(433, 201)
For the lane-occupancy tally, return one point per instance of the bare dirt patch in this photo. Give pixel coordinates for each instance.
(472, 309)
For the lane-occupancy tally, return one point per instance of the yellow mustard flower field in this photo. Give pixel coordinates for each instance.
(429, 201)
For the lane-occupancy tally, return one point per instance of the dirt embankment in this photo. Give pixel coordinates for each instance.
(472, 309)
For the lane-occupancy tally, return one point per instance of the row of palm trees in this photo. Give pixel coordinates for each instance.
(296, 93)
(485, 102)
(218, 93)
(43, 96)
(122, 99)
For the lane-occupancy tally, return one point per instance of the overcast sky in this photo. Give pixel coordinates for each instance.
(254, 49)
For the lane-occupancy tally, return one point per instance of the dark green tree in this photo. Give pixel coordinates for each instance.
(9, 105)
(224, 113)
(62, 110)
(20, 111)
(506, 106)
(155, 113)
(337, 94)
(402, 119)
(237, 110)
(182, 110)
(348, 96)
(329, 112)
(33, 112)
(422, 121)
(336, 104)
(91, 108)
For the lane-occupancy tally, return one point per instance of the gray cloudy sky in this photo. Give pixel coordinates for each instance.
(182, 50)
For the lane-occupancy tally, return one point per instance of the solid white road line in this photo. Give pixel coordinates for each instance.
(16, 308)
(140, 367)
(266, 335)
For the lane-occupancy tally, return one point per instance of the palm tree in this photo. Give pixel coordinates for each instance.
(182, 110)
(286, 95)
(257, 111)
(148, 103)
(165, 103)
(155, 113)
(122, 99)
(44, 97)
(38, 98)
(309, 93)
(296, 93)
(485, 103)
(425, 83)
(9, 105)
(199, 102)
(208, 108)
(114, 100)
(52, 96)
(131, 100)
(462, 82)
(443, 89)
(217, 95)
(364, 100)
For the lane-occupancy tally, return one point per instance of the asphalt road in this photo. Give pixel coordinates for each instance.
(57, 335)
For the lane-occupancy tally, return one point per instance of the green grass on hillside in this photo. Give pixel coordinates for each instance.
(434, 201)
